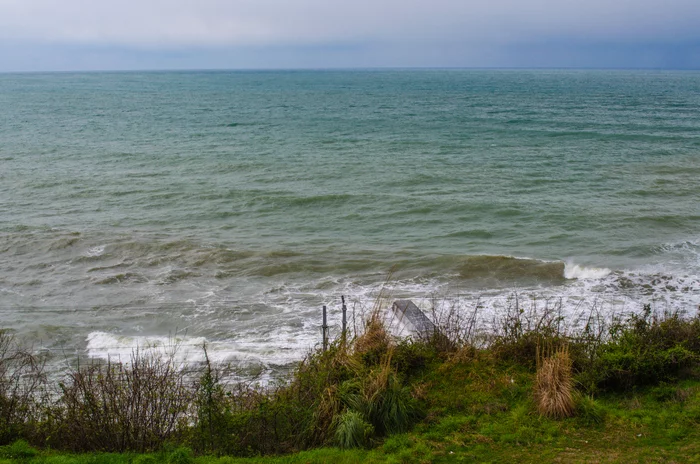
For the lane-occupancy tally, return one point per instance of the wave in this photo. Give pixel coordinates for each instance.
(509, 269)
(176, 275)
(120, 348)
(65, 242)
(686, 247)
(153, 252)
(123, 278)
(95, 251)
(574, 271)
(242, 123)
(314, 200)
(187, 350)
(268, 323)
(474, 233)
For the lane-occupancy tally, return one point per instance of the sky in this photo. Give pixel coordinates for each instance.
(74, 35)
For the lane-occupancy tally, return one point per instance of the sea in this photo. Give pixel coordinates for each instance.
(227, 208)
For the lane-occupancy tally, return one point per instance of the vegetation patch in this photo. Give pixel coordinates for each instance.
(628, 393)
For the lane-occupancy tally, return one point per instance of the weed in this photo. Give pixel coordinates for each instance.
(589, 411)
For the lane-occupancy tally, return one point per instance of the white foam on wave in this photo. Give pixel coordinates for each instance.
(281, 348)
(276, 326)
(574, 271)
(10, 291)
(95, 251)
(121, 348)
(686, 252)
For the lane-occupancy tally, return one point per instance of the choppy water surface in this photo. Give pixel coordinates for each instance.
(230, 206)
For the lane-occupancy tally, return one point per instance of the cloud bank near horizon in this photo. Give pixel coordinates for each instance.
(83, 34)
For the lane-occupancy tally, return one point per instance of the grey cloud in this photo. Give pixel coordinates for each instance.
(174, 23)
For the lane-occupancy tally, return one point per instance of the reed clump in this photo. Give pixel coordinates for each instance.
(554, 386)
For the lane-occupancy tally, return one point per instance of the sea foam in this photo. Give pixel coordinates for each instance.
(575, 271)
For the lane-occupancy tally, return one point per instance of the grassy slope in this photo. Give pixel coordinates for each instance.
(480, 410)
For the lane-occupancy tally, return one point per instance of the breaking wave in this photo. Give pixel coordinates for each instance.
(574, 271)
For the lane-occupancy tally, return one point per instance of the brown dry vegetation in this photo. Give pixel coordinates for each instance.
(554, 385)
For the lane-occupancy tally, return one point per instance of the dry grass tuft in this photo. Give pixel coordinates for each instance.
(374, 342)
(377, 382)
(463, 355)
(554, 389)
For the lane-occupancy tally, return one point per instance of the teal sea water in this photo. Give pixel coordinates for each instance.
(230, 206)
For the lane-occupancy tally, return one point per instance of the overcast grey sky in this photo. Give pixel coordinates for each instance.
(59, 35)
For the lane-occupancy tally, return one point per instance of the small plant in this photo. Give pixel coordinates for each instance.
(524, 327)
(213, 428)
(352, 431)
(410, 357)
(554, 391)
(589, 411)
(374, 343)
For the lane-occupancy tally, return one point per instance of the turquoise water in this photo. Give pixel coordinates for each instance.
(231, 205)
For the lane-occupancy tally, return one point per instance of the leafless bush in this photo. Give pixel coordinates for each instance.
(135, 406)
(22, 389)
(456, 325)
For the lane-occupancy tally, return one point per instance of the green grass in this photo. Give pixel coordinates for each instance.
(482, 410)
(637, 399)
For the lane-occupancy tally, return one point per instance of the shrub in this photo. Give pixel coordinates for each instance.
(646, 350)
(383, 400)
(22, 389)
(124, 407)
(589, 411)
(372, 345)
(523, 328)
(215, 427)
(411, 357)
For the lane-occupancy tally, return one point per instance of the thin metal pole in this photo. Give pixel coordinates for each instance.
(324, 329)
(345, 319)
